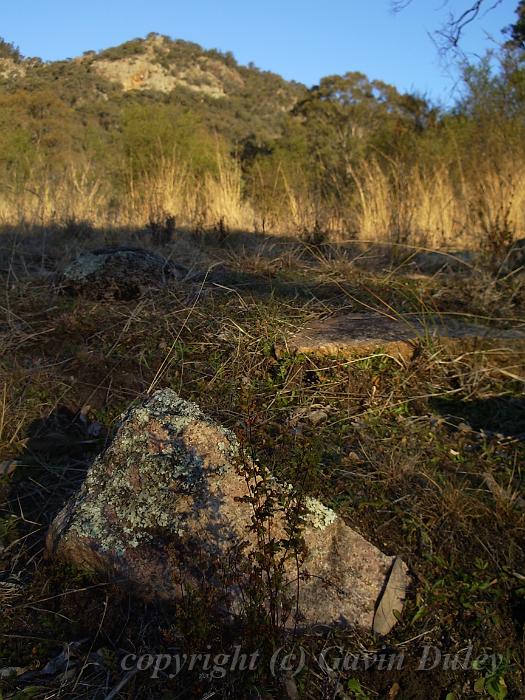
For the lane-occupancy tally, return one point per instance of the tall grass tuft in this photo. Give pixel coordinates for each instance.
(440, 204)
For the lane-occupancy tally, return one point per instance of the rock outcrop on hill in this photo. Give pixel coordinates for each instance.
(153, 68)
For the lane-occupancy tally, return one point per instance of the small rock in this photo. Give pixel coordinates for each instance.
(315, 414)
(291, 688)
(8, 467)
(392, 600)
(13, 671)
(433, 261)
(162, 510)
(394, 691)
(119, 273)
(317, 417)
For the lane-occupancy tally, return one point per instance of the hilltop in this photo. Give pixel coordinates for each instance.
(236, 100)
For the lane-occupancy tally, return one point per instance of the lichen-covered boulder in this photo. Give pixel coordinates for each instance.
(166, 509)
(122, 272)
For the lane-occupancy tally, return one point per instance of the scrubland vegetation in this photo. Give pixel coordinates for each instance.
(349, 158)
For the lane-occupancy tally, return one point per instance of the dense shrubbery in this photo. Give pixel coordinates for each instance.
(135, 47)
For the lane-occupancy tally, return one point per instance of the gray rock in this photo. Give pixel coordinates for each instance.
(392, 600)
(164, 511)
(122, 272)
(434, 261)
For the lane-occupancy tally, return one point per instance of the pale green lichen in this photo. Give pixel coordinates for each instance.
(319, 515)
(84, 266)
(110, 509)
(121, 263)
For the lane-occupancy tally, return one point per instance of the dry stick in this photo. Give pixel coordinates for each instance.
(3, 411)
(418, 248)
(116, 690)
(511, 375)
(73, 590)
(51, 612)
(239, 328)
(398, 316)
(410, 399)
(367, 306)
(126, 325)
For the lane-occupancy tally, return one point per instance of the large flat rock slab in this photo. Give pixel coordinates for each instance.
(166, 510)
(360, 334)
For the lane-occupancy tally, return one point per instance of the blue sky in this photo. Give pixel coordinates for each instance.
(300, 39)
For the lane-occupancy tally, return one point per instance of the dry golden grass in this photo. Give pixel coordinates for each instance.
(222, 197)
(436, 206)
(166, 190)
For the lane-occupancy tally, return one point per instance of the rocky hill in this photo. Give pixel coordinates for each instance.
(160, 64)
(232, 98)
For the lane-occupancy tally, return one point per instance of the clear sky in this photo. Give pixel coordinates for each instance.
(300, 39)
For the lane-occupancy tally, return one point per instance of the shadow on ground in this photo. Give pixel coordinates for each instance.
(45, 246)
(59, 449)
(498, 414)
(259, 264)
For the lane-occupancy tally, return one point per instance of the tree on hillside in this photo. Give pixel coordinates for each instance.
(347, 117)
(517, 30)
(8, 50)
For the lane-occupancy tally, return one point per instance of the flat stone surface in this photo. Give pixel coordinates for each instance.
(162, 511)
(361, 334)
